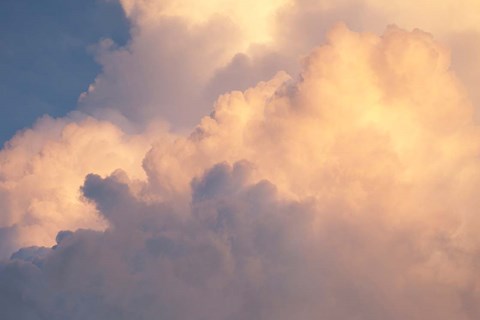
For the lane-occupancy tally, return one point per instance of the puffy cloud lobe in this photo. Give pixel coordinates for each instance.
(347, 193)
(169, 68)
(303, 23)
(43, 168)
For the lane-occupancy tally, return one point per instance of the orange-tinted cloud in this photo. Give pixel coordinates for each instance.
(346, 192)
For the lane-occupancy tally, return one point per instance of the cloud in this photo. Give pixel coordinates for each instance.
(346, 192)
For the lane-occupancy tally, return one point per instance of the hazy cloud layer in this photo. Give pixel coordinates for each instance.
(348, 192)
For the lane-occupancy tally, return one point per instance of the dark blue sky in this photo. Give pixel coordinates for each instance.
(44, 58)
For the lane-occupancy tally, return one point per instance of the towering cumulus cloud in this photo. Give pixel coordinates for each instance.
(347, 192)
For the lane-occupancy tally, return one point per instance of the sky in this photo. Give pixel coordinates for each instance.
(45, 56)
(277, 159)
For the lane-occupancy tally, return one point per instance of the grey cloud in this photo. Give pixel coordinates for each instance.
(7, 242)
(245, 70)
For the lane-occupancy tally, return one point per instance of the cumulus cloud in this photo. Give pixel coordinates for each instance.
(348, 192)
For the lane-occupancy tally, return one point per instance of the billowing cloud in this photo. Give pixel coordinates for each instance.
(348, 192)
